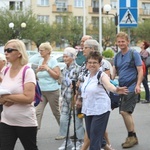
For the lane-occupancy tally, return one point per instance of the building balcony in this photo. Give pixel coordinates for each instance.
(56, 9)
(94, 10)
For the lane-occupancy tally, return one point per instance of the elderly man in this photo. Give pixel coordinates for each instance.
(80, 58)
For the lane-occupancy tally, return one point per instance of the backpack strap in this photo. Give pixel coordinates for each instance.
(23, 74)
(6, 70)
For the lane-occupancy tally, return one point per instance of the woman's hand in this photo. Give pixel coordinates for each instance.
(78, 103)
(43, 68)
(122, 90)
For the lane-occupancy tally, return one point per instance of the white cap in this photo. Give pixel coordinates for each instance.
(70, 51)
(2, 57)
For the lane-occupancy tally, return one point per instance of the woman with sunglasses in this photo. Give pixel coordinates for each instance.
(18, 118)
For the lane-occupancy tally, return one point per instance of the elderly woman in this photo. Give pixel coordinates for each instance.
(18, 118)
(48, 74)
(96, 102)
(69, 74)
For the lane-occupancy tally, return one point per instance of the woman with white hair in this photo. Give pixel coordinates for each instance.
(48, 73)
(69, 74)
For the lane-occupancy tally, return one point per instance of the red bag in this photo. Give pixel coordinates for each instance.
(144, 68)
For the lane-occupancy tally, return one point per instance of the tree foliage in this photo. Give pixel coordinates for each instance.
(34, 30)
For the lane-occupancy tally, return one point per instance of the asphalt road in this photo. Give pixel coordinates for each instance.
(116, 130)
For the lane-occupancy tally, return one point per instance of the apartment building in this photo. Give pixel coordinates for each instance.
(53, 10)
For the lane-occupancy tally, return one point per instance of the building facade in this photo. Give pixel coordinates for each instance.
(53, 10)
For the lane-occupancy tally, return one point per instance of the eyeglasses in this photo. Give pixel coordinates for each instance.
(87, 47)
(94, 63)
(9, 50)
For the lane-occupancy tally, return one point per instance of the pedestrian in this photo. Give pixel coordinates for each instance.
(91, 45)
(18, 118)
(144, 54)
(95, 101)
(80, 58)
(48, 73)
(69, 74)
(3, 63)
(130, 74)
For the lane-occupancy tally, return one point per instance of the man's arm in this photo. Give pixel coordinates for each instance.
(139, 79)
(114, 73)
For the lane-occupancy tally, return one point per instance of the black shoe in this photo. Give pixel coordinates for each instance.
(73, 137)
(145, 102)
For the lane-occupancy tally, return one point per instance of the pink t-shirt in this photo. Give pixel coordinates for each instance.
(18, 114)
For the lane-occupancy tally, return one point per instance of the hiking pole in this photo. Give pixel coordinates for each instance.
(74, 92)
(72, 101)
(68, 128)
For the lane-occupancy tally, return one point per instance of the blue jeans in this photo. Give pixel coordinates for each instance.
(64, 119)
(96, 127)
(10, 134)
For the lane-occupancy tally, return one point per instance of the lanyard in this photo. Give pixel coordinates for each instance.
(89, 80)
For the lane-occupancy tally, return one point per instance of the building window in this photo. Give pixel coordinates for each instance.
(95, 22)
(43, 2)
(78, 3)
(59, 19)
(95, 4)
(61, 5)
(15, 5)
(43, 18)
(113, 4)
(79, 19)
(146, 8)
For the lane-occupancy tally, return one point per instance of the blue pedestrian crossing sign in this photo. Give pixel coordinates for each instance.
(128, 13)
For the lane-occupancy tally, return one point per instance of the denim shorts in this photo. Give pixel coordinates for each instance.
(128, 102)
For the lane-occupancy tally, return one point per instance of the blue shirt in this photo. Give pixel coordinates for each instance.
(46, 82)
(126, 68)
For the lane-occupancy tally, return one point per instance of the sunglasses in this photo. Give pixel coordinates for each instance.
(9, 50)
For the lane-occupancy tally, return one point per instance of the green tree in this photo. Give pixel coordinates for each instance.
(108, 33)
(143, 30)
(34, 30)
(69, 30)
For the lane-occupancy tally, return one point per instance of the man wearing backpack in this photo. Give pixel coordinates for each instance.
(131, 75)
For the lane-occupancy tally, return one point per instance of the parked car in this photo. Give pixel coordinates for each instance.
(31, 53)
(34, 60)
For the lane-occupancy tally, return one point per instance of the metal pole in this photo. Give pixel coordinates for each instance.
(100, 25)
(84, 17)
(118, 27)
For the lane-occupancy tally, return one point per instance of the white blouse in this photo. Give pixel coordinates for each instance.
(95, 99)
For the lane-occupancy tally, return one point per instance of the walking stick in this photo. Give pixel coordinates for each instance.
(74, 88)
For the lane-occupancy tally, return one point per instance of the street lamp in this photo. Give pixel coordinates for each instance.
(17, 31)
(107, 8)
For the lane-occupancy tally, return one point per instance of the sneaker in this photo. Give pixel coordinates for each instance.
(60, 137)
(78, 145)
(130, 142)
(145, 102)
(69, 145)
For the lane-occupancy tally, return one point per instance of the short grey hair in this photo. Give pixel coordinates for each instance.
(93, 44)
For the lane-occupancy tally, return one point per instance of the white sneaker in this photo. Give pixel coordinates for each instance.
(78, 145)
(69, 145)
